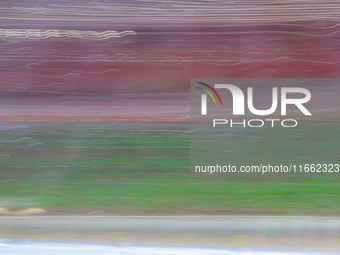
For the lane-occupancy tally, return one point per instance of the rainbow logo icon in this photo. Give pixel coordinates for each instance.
(209, 93)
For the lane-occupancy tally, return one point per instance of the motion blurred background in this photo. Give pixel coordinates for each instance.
(95, 114)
